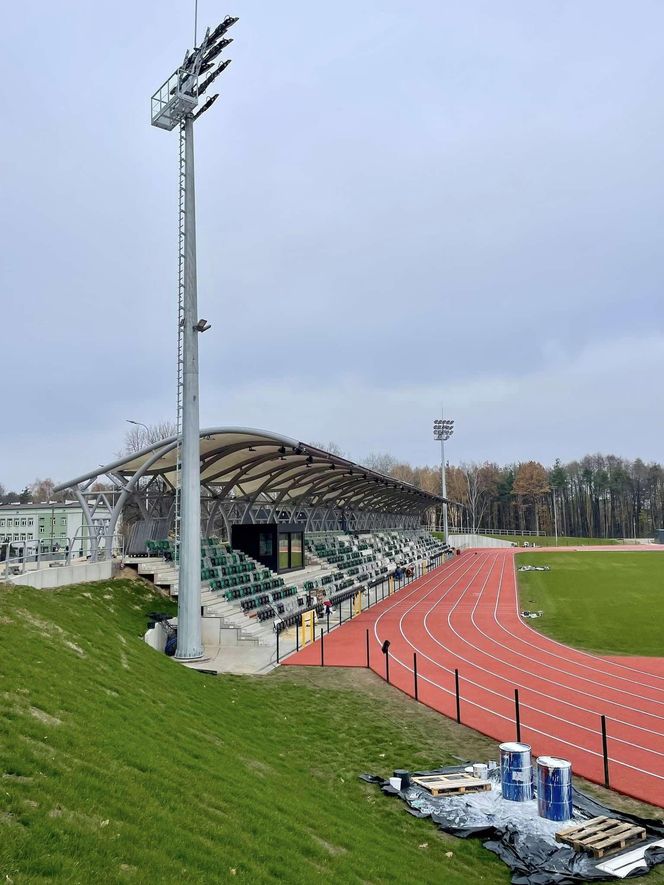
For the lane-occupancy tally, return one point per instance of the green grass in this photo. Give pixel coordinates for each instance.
(548, 540)
(119, 765)
(612, 603)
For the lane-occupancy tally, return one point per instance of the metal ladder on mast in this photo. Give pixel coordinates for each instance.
(180, 379)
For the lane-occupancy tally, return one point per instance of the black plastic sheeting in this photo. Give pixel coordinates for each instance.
(533, 859)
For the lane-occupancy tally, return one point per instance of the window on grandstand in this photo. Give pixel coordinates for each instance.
(296, 550)
(284, 559)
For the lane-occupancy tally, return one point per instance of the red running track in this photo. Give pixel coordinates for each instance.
(465, 615)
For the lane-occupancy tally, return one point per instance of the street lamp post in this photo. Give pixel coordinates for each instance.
(443, 428)
(175, 103)
(140, 424)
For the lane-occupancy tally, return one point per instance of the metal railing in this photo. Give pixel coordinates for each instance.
(54, 550)
(356, 600)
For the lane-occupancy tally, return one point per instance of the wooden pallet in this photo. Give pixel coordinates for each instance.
(452, 784)
(601, 835)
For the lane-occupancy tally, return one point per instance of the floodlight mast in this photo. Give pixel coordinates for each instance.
(174, 105)
(443, 428)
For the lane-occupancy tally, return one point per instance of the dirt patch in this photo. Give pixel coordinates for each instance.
(17, 778)
(86, 820)
(258, 767)
(77, 648)
(48, 628)
(332, 850)
(46, 718)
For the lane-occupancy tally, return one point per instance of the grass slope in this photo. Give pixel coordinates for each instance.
(118, 765)
(612, 603)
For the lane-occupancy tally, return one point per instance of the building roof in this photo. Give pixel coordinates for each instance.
(250, 465)
(44, 505)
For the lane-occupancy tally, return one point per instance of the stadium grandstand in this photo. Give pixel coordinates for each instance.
(287, 528)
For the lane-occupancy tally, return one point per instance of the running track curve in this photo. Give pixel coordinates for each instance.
(465, 615)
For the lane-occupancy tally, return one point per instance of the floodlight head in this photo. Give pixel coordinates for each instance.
(214, 51)
(206, 107)
(213, 76)
(202, 326)
(221, 29)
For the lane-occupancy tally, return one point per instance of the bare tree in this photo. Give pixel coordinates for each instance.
(138, 437)
(42, 490)
(481, 483)
(381, 463)
(331, 448)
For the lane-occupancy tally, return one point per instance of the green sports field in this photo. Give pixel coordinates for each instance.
(552, 541)
(549, 540)
(610, 602)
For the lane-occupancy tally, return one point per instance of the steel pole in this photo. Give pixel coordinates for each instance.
(444, 484)
(189, 645)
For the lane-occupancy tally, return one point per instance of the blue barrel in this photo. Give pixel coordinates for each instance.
(516, 772)
(554, 788)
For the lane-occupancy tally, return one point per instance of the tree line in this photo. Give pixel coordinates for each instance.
(600, 496)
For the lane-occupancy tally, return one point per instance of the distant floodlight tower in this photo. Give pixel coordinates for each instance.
(175, 103)
(443, 428)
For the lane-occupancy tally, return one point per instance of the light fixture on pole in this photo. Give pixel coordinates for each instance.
(138, 424)
(443, 428)
(176, 103)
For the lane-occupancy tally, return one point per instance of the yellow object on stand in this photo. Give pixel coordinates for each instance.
(308, 627)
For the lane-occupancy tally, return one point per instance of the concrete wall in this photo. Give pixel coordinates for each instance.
(60, 576)
(476, 541)
(156, 637)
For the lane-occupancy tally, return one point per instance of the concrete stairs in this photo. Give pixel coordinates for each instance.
(232, 618)
(162, 573)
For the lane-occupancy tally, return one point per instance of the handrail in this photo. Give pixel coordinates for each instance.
(33, 551)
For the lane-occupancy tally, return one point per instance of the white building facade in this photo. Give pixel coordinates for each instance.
(50, 526)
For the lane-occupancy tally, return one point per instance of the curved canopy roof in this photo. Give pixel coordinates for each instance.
(253, 465)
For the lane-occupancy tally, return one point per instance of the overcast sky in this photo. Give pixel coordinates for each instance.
(399, 204)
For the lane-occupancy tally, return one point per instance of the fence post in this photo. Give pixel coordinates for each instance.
(415, 673)
(367, 647)
(605, 752)
(277, 645)
(327, 614)
(322, 647)
(458, 698)
(340, 613)
(297, 635)
(517, 715)
(387, 666)
(350, 607)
